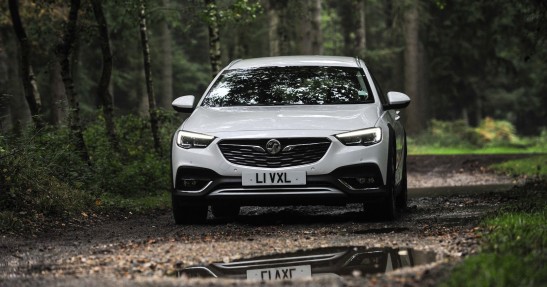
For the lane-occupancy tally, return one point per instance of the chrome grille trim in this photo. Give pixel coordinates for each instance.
(295, 152)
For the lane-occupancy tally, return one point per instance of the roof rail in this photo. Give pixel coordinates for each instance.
(358, 61)
(233, 62)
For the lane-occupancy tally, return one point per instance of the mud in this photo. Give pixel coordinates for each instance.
(150, 250)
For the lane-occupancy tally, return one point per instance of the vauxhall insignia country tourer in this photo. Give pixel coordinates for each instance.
(292, 130)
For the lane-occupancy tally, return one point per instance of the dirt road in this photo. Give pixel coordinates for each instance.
(149, 250)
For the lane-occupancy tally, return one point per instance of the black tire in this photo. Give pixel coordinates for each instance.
(386, 209)
(390, 208)
(402, 198)
(188, 214)
(225, 211)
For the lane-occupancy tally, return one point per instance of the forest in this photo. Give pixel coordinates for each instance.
(458, 60)
(86, 86)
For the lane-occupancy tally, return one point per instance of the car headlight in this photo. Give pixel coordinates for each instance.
(193, 140)
(361, 137)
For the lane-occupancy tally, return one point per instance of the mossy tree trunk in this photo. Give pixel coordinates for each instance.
(214, 36)
(64, 51)
(148, 76)
(105, 98)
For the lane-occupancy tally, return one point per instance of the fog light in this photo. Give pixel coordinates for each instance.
(359, 182)
(192, 184)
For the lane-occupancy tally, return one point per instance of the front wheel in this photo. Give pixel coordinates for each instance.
(188, 214)
(386, 209)
(402, 198)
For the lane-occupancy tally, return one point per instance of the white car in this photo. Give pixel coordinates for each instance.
(290, 130)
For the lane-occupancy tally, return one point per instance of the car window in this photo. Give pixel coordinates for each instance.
(289, 86)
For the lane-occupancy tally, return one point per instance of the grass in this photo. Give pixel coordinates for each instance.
(534, 166)
(513, 248)
(447, 150)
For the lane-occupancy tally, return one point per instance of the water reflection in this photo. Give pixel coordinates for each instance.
(339, 261)
(289, 86)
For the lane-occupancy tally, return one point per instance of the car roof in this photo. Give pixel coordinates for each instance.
(284, 61)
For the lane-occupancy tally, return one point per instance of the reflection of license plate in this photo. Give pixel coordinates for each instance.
(280, 273)
(274, 178)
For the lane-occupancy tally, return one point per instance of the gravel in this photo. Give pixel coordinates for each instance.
(148, 250)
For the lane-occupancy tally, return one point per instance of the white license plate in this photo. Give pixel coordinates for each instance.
(280, 273)
(274, 178)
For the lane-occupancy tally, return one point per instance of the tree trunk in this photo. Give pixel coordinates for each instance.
(315, 25)
(273, 27)
(347, 24)
(214, 36)
(65, 49)
(304, 28)
(148, 76)
(103, 94)
(415, 115)
(360, 31)
(19, 112)
(29, 82)
(284, 28)
(166, 52)
(58, 97)
(5, 120)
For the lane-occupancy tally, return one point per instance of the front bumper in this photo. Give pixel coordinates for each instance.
(327, 189)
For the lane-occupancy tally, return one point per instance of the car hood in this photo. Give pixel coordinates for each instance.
(327, 117)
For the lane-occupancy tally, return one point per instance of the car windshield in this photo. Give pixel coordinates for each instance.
(289, 86)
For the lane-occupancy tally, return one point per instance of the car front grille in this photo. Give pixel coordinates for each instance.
(294, 151)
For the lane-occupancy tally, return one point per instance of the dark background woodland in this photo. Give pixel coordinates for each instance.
(456, 59)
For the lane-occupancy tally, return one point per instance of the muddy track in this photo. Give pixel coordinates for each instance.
(150, 250)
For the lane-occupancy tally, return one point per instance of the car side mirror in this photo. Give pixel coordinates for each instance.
(184, 104)
(397, 100)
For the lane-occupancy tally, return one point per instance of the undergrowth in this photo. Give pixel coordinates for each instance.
(491, 136)
(43, 179)
(513, 249)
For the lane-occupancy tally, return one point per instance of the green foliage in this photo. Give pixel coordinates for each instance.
(498, 270)
(197, 76)
(491, 69)
(138, 170)
(513, 253)
(495, 132)
(40, 176)
(457, 134)
(535, 166)
(221, 12)
(519, 233)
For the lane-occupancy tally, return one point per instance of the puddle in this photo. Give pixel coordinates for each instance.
(340, 261)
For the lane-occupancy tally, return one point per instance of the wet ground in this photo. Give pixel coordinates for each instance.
(449, 196)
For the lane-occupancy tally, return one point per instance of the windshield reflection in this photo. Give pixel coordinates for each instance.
(289, 86)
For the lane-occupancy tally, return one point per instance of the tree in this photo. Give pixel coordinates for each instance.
(416, 118)
(309, 28)
(4, 97)
(359, 7)
(213, 19)
(273, 26)
(148, 76)
(29, 82)
(166, 59)
(64, 50)
(103, 94)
